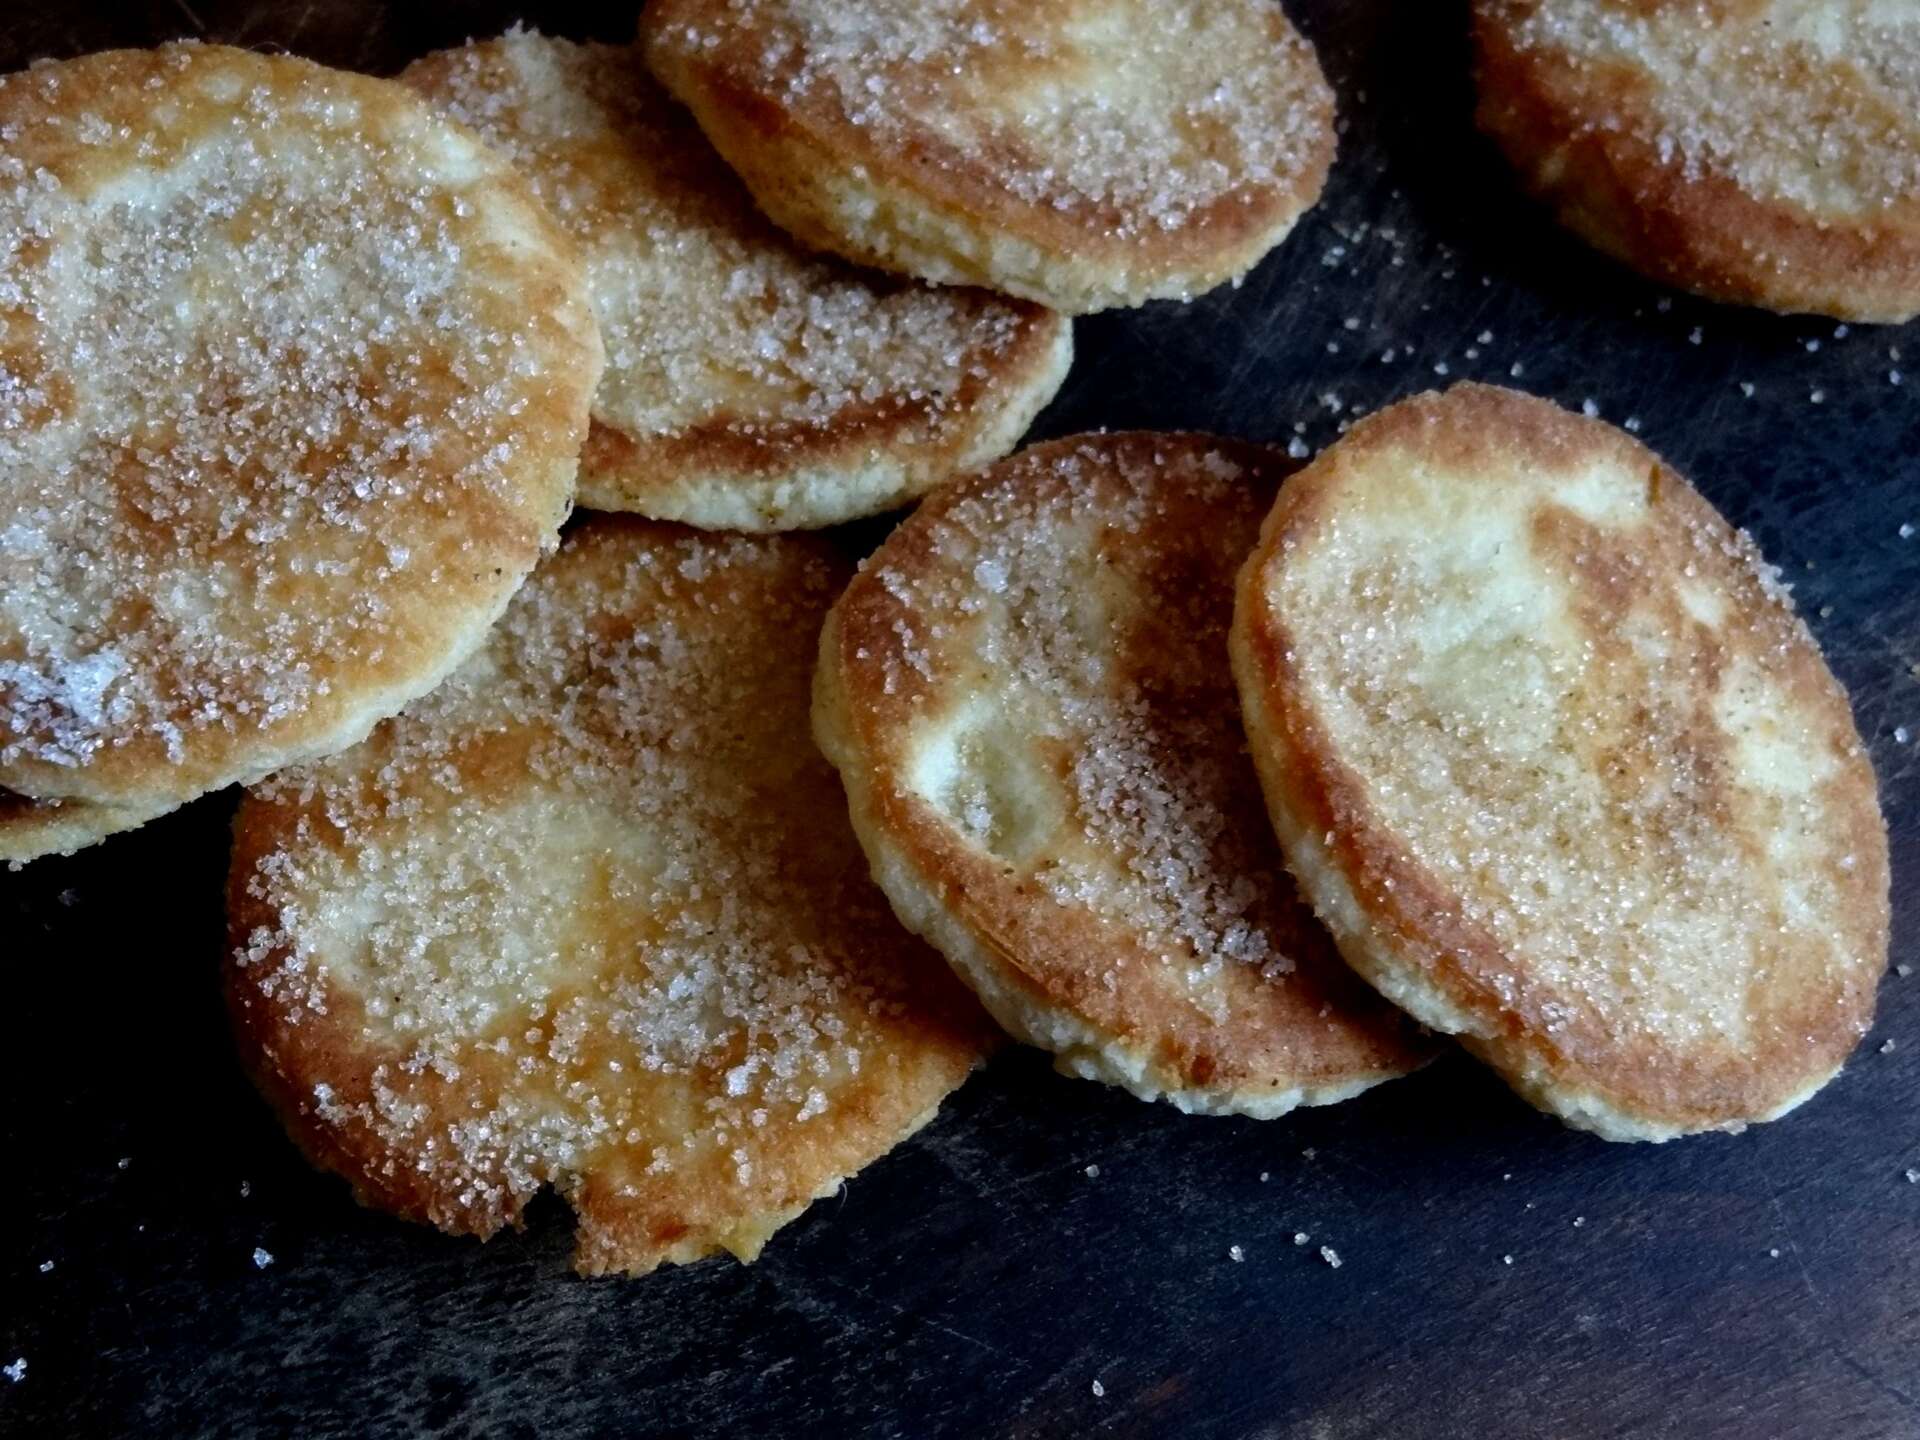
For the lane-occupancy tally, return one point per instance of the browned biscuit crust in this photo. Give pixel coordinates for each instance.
(590, 916)
(1751, 152)
(30, 829)
(296, 380)
(749, 386)
(1563, 772)
(1027, 694)
(1081, 153)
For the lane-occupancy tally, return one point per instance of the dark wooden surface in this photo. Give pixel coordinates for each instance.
(981, 1279)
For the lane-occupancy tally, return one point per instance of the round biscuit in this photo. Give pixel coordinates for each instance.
(1081, 153)
(748, 386)
(1764, 152)
(1026, 692)
(589, 915)
(293, 381)
(1566, 777)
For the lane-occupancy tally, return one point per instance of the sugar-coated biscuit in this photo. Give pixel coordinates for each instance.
(1765, 152)
(293, 382)
(749, 386)
(590, 916)
(1554, 759)
(1081, 153)
(1027, 694)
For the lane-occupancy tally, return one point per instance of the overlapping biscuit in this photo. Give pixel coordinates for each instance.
(748, 385)
(1027, 694)
(1765, 152)
(1081, 153)
(1565, 776)
(590, 916)
(293, 380)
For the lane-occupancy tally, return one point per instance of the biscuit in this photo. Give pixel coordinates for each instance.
(1081, 153)
(748, 385)
(1554, 759)
(1756, 152)
(30, 829)
(589, 916)
(1026, 692)
(293, 381)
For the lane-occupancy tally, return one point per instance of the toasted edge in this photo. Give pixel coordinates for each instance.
(1706, 234)
(800, 476)
(827, 182)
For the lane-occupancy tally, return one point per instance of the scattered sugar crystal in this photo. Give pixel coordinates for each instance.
(1913, 1177)
(1588, 408)
(1695, 335)
(1506, 1259)
(1886, 1048)
(1098, 1390)
(1093, 1172)
(1900, 735)
(1236, 1254)
(15, 1371)
(1817, 397)
(46, 1267)
(1300, 1237)
(261, 1258)
(1331, 1256)
(1746, 388)
(1906, 530)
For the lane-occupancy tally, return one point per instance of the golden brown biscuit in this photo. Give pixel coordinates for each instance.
(589, 916)
(293, 381)
(30, 829)
(1081, 153)
(748, 386)
(1563, 773)
(1027, 694)
(1765, 152)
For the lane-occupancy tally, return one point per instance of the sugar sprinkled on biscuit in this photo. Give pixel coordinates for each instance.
(266, 384)
(584, 916)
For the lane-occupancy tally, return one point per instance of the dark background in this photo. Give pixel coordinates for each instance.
(979, 1280)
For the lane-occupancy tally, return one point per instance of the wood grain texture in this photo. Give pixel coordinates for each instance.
(979, 1281)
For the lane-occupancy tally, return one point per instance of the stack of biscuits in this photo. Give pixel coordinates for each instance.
(656, 852)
